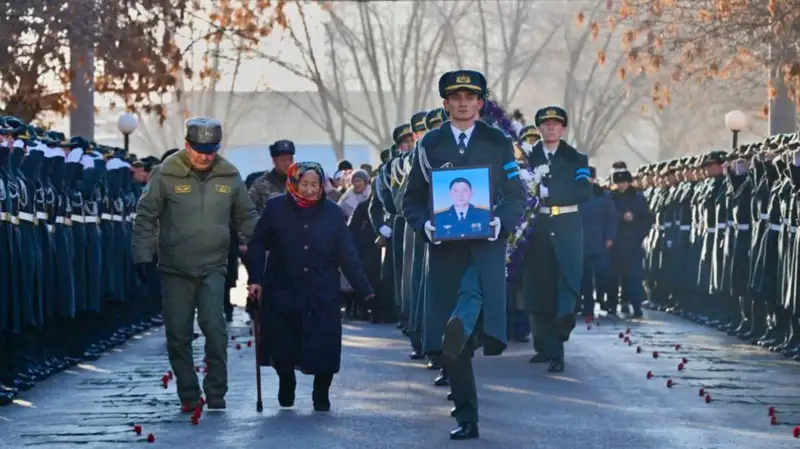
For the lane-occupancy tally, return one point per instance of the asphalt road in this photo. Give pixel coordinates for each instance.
(381, 399)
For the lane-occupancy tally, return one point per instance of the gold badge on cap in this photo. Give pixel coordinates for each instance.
(550, 112)
(463, 79)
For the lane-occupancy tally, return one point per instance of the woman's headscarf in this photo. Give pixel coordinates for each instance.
(293, 175)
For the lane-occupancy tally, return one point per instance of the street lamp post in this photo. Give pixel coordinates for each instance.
(735, 121)
(127, 124)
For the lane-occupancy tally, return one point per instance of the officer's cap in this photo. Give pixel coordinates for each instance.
(203, 134)
(529, 131)
(468, 80)
(435, 118)
(418, 121)
(715, 157)
(401, 132)
(551, 113)
(281, 147)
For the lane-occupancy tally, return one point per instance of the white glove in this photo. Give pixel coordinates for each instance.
(386, 231)
(496, 225)
(543, 192)
(429, 230)
(797, 159)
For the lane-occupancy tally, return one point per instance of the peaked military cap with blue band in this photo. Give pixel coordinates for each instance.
(281, 147)
(551, 113)
(468, 80)
(435, 118)
(203, 134)
(401, 132)
(418, 121)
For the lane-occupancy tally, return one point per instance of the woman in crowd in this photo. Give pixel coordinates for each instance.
(308, 241)
(357, 193)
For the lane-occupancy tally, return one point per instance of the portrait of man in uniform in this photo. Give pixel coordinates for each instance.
(461, 203)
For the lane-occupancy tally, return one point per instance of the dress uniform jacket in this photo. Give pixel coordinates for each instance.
(566, 230)
(449, 260)
(741, 213)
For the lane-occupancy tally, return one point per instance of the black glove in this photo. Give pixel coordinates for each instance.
(142, 271)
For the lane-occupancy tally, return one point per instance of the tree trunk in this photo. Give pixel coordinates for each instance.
(81, 121)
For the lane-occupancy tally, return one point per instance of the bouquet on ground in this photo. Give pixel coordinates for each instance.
(517, 241)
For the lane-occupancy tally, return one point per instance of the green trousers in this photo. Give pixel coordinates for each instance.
(181, 297)
(546, 339)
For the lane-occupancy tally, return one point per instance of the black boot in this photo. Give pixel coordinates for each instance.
(288, 383)
(322, 385)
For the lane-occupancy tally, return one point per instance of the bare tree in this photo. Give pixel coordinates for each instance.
(221, 39)
(598, 92)
(511, 38)
(391, 54)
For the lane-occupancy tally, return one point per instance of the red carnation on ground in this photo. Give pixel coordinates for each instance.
(137, 429)
(151, 438)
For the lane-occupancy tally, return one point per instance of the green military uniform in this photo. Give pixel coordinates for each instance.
(273, 182)
(466, 272)
(190, 213)
(554, 257)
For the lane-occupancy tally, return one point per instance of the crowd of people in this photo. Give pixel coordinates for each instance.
(98, 245)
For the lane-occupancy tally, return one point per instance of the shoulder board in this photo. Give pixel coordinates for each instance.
(439, 211)
(481, 207)
(571, 152)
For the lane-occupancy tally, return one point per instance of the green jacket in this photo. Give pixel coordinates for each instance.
(191, 217)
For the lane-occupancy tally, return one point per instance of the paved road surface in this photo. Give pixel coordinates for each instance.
(383, 400)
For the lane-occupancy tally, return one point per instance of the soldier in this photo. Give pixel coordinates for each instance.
(556, 246)
(738, 250)
(634, 221)
(383, 305)
(273, 183)
(466, 271)
(434, 119)
(189, 203)
(599, 233)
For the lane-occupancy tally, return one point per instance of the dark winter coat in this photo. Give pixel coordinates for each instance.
(599, 222)
(630, 235)
(300, 310)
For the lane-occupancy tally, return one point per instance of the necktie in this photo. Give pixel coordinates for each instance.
(462, 145)
(549, 157)
(461, 215)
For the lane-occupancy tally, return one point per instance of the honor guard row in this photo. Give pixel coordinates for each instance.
(723, 250)
(67, 288)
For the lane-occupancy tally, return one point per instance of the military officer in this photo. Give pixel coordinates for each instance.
(464, 313)
(189, 203)
(382, 306)
(462, 219)
(556, 246)
(273, 182)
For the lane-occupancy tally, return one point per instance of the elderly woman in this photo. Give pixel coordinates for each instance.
(308, 242)
(357, 193)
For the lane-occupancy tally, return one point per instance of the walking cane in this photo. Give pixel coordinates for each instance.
(257, 334)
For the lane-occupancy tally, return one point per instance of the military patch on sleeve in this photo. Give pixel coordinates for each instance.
(220, 188)
(183, 189)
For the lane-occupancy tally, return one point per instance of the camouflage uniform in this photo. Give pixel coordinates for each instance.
(271, 183)
(268, 186)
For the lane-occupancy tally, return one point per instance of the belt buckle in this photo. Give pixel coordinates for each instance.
(555, 210)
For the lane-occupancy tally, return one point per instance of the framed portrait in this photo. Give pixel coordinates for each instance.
(461, 202)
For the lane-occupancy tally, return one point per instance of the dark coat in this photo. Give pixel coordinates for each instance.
(449, 260)
(599, 222)
(630, 235)
(300, 310)
(567, 186)
(364, 239)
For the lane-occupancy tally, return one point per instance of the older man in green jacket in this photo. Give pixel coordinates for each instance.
(188, 206)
